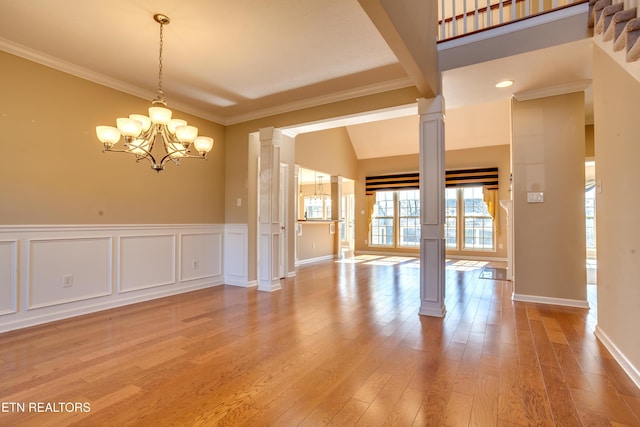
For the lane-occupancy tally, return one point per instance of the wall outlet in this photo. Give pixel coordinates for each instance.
(67, 280)
(195, 264)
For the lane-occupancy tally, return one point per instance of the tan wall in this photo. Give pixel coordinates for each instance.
(315, 241)
(329, 151)
(589, 132)
(497, 155)
(548, 150)
(617, 152)
(54, 171)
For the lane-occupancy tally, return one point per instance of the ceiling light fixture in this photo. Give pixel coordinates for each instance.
(140, 132)
(504, 83)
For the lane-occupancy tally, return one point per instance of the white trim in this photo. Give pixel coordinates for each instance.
(65, 313)
(526, 95)
(24, 237)
(14, 276)
(95, 77)
(314, 260)
(625, 364)
(550, 300)
(235, 255)
(383, 253)
(476, 258)
(373, 89)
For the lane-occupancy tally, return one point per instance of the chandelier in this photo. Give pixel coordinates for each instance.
(140, 133)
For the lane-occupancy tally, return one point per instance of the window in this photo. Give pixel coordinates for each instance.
(317, 207)
(590, 213)
(466, 215)
(409, 217)
(382, 219)
(451, 218)
(396, 219)
(468, 225)
(478, 224)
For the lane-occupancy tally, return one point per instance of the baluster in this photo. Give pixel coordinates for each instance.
(555, 4)
(500, 16)
(527, 8)
(540, 6)
(514, 4)
(442, 20)
(475, 18)
(454, 20)
(488, 13)
(464, 16)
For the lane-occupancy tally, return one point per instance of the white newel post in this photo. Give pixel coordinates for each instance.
(432, 174)
(268, 210)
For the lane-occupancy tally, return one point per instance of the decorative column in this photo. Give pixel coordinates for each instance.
(432, 173)
(269, 210)
(336, 213)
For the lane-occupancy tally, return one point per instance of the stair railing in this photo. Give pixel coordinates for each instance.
(461, 17)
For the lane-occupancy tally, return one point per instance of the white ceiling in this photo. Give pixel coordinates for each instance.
(231, 61)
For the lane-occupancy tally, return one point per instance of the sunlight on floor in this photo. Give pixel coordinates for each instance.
(466, 265)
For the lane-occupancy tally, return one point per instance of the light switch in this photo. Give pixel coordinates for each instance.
(535, 197)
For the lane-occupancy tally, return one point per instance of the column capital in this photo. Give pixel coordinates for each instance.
(270, 135)
(431, 105)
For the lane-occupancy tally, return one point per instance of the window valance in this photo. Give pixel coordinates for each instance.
(405, 181)
(484, 177)
(478, 177)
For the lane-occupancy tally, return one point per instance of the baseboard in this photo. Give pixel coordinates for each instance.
(476, 258)
(625, 364)
(550, 300)
(240, 283)
(314, 260)
(68, 312)
(388, 253)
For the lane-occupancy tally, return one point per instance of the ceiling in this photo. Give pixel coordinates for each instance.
(232, 61)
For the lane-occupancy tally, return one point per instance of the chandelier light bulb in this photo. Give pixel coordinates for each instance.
(160, 115)
(108, 134)
(174, 123)
(129, 127)
(186, 133)
(203, 144)
(146, 122)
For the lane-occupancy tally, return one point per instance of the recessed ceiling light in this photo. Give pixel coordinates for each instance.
(505, 83)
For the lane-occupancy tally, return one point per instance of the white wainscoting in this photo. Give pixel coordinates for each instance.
(236, 251)
(8, 276)
(50, 273)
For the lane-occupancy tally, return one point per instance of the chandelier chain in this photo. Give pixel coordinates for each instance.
(160, 93)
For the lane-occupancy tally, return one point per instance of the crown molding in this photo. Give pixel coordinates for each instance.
(544, 92)
(95, 77)
(322, 100)
(104, 80)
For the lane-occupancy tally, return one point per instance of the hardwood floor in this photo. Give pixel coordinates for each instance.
(340, 345)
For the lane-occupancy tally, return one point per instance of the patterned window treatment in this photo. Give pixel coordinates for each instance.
(487, 178)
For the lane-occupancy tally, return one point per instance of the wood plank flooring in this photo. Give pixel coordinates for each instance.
(340, 345)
